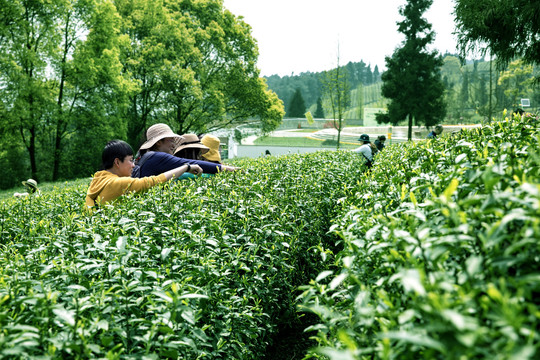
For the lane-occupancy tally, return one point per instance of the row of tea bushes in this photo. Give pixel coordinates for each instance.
(199, 269)
(441, 252)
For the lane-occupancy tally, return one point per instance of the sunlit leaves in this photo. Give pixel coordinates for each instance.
(202, 268)
(442, 237)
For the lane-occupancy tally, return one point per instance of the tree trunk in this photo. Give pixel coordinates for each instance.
(32, 152)
(59, 128)
(409, 132)
(339, 133)
(490, 87)
(57, 152)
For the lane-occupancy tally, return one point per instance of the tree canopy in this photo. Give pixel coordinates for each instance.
(194, 62)
(76, 73)
(509, 28)
(297, 107)
(412, 80)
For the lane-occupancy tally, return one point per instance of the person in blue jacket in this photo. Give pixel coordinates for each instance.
(435, 132)
(156, 154)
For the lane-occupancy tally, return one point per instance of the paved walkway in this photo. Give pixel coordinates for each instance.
(351, 134)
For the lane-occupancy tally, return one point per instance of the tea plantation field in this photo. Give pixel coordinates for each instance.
(434, 253)
(441, 253)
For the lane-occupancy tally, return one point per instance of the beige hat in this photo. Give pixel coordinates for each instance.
(191, 141)
(157, 132)
(31, 184)
(213, 143)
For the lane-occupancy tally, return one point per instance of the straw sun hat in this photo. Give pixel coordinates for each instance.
(213, 143)
(158, 132)
(30, 183)
(191, 141)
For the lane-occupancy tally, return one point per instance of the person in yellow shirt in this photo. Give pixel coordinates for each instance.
(109, 184)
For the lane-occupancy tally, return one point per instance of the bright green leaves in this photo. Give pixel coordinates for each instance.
(443, 238)
(202, 268)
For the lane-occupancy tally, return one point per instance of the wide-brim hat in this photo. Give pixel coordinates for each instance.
(211, 142)
(158, 132)
(191, 141)
(30, 183)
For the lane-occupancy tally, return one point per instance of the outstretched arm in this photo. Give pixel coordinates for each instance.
(177, 172)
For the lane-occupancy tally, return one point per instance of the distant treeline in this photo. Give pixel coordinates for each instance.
(467, 88)
(309, 83)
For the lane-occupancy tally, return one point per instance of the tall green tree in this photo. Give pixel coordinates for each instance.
(509, 28)
(59, 58)
(517, 81)
(336, 89)
(376, 74)
(195, 63)
(29, 38)
(412, 81)
(297, 106)
(319, 111)
(90, 81)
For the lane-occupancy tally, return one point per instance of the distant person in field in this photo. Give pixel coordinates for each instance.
(213, 143)
(435, 132)
(31, 188)
(267, 153)
(156, 154)
(379, 142)
(366, 150)
(115, 180)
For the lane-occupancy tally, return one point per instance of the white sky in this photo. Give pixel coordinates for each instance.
(297, 36)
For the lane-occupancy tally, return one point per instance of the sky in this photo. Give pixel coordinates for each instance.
(296, 36)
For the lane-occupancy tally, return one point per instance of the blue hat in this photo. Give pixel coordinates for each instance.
(364, 137)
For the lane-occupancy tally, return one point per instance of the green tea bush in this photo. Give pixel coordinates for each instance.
(198, 269)
(441, 252)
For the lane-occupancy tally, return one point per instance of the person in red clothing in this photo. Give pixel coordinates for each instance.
(115, 180)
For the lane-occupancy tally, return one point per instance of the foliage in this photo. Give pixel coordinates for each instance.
(519, 79)
(319, 111)
(440, 252)
(198, 269)
(509, 28)
(194, 62)
(77, 73)
(297, 106)
(336, 90)
(52, 76)
(311, 85)
(412, 80)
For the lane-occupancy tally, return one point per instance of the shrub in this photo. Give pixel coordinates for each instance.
(440, 252)
(204, 268)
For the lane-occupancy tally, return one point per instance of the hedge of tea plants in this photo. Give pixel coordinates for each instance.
(197, 269)
(441, 252)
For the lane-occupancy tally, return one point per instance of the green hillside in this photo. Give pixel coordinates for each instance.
(467, 89)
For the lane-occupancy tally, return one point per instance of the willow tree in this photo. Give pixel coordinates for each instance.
(195, 65)
(507, 29)
(412, 81)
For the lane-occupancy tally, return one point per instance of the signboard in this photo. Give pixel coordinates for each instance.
(525, 103)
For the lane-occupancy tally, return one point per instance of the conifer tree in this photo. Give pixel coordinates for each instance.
(297, 107)
(412, 81)
(319, 111)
